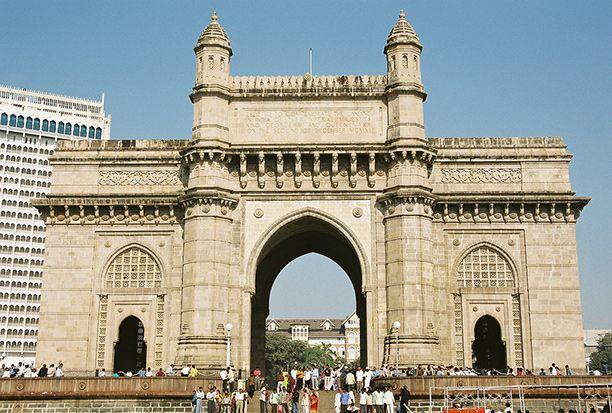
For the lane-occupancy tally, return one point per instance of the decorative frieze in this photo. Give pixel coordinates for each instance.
(139, 177)
(517, 211)
(481, 175)
(517, 331)
(102, 330)
(75, 211)
(458, 329)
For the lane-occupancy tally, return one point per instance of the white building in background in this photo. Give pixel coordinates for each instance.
(31, 123)
(341, 335)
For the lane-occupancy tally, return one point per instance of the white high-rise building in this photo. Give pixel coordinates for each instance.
(31, 123)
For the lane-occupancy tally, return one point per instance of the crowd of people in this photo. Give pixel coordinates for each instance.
(30, 371)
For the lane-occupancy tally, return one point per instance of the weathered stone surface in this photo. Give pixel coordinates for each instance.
(281, 166)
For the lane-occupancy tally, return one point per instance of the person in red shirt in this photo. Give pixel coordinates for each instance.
(160, 373)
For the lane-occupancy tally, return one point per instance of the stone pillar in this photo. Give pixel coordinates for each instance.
(410, 285)
(206, 283)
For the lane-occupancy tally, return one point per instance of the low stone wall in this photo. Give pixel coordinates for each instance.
(148, 395)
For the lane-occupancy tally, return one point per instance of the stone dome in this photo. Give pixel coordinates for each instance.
(403, 32)
(214, 34)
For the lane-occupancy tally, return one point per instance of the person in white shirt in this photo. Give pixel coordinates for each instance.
(185, 371)
(363, 400)
(508, 409)
(170, 370)
(6, 374)
(337, 404)
(307, 379)
(102, 373)
(367, 377)
(230, 379)
(240, 397)
(263, 400)
(315, 378)
(59, 371)
(359, 378)
(149, 372)
(388, 400)
(51, 371)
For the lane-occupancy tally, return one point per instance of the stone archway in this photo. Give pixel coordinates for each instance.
(488, 348)
(131, 347)
(306, 234)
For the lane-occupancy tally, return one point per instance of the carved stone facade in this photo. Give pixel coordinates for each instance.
(189, 235)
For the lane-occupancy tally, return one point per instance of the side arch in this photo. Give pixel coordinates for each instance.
(102, 279)
(502, 252)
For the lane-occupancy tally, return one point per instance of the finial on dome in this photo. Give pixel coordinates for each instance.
(214, 34)
(403, 32)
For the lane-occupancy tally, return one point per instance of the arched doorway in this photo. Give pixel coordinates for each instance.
(131, 348)
(307, 234)
(488, 348)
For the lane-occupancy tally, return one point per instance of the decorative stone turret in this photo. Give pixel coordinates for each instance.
(210, 93)
(404, 89)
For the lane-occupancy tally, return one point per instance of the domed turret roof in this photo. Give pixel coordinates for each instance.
(214, 34)
(403, 32)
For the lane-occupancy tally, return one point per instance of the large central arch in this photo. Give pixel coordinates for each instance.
(304, 232)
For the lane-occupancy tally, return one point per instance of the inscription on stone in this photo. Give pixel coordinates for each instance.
(310, 122)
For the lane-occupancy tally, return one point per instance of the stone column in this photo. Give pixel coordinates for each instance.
(206, 283)
(410, 285)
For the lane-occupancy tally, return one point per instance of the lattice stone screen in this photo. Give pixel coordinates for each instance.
(484, 267)
(133, 268)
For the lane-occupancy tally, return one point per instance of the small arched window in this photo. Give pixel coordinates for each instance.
(36, 124)
(52, 126)
(92, 132)
(83, 131)
(20, 122)
(76, 130)
(98, 133)
(60, 128)
(133, 268)
(68, 129)
(485, 267)
(29, 123)
(45, 125)
(13, 121)
(4, 119)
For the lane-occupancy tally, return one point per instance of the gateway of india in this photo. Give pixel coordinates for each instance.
(461, 251)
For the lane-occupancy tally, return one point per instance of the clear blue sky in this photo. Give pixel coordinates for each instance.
(492, 68)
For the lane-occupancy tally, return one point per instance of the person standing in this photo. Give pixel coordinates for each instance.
(305, 401)
(283, 399)
(350, 381)
(224, 375)
(263, 399)
(210, 400)
(363, 400)
(295, 400)
(367, 378)
(404, 399)
(345, 400)
(273, 401)
(197, 401)
(388, 400)
(327, 379)
(337, 399)
(257, 377)
(377, 401)
(307, 378)
(240, 401)
(315, 378)
(314, 401)
(359, 379)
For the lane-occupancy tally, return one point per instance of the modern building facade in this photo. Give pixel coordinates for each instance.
(31, 124)
(460, 250)
(341, 335)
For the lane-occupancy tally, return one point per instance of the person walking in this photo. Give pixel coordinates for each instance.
(363, 400)
(263, 399)
(404, 399)
(314, 401)
(377, 401)
(295, 400)
(211, 400)
(273, 401)
(337, 399)
(240, 398)
(305, 401)
(388, 400)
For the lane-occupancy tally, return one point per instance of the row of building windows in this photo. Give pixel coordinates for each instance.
(18, 215)
(64, 128)
(17, 170)
(20, 273)
(11, 332)
(28, 182)
(22, 227)
(19, 149)
(19, 308)
(15, 345)
(21, 238)
(20, 320)
(22, 160)
(24, 193)
(18, 296)
(20, 261)
(20, 204)
(21, 250)
(19, 284)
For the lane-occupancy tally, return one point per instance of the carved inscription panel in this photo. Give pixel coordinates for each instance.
(308, 123)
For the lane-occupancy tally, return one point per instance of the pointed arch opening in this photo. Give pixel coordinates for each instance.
(488, 348)
(131, 347)
(307, 233)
